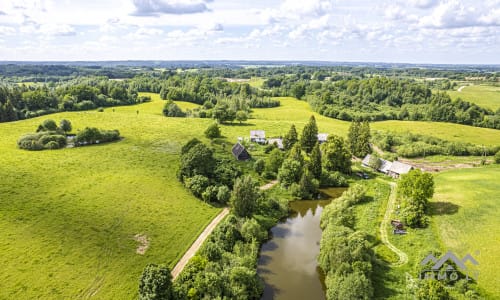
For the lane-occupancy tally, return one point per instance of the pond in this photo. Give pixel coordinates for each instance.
(288, 261)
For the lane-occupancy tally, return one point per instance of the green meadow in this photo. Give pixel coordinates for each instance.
(483, 95)
(467, 219)
(68, 217)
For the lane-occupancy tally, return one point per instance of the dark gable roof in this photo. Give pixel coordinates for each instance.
(238, 149)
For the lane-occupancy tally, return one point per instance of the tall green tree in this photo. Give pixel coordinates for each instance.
(309, 135)
(156, 283)
(65, 125)
(10, 113)
(358, 138)
(290, 139)
(244, 196)
(415, 189)
(315, 162)
(352, 136)
(336, 155)
(296, 154)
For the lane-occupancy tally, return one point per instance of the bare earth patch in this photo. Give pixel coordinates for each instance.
(143, 241)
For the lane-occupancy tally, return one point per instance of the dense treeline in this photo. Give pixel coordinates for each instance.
(378, 99)
(21, 102)
(415, 145)
(345, 254)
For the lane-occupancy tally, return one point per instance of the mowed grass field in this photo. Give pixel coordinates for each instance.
(483, 95)
(467, 219)
(68, 217)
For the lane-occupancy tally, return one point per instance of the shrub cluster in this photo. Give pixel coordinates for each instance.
(48, 136)
(415, 145)
(92, 135)
(345, 254)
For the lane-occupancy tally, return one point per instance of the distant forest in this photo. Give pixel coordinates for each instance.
(346, 92)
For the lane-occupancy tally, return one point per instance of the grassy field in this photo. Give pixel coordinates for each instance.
(483, 95)
(68, 217)
(467, 219)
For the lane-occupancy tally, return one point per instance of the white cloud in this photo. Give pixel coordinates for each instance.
(394, 12)
(176, 7)
(57, 30)
(7, 30)
(454, 14)
(424, 4)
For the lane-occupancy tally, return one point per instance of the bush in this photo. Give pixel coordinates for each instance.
(332, 179)
(497, 157)
(100, 109)
(42, 140)
(92, 135)
(172, 110)
(251, 230)
(197, 184)
(259, 166)
(213, 131)
(223, 194)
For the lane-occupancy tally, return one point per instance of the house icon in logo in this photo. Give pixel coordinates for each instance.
(448, 257)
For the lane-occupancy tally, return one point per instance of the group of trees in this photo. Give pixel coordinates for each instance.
(225, 267)
(92, 135)
(48, 136)
(415, 145)
(304, 165)
(21, 102)
(345, 254)
(414, 191)
(207, 177)
(382, 98)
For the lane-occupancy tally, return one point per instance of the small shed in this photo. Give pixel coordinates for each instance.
(322, 137)
(277, 141)
(258, 136)
(398, 168)
(239, 152)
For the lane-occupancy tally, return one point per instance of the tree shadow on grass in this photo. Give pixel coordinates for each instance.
(442, 208)
(239, 124)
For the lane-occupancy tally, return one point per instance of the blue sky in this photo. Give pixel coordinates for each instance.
(414, 31)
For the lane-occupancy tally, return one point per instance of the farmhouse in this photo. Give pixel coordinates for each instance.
(239, 152)
(322, 137)
(393, 169)
(384, 164)
(278, 141)
(398, 168)
(258, 136)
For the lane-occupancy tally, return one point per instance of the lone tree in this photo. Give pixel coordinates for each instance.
(213, 131)
(65, 125)
(358, 138)
(241, 116)
(375, 162)
(415, 189)
(290, 138)
(156, 283)
(309, 135)
(244, 197)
